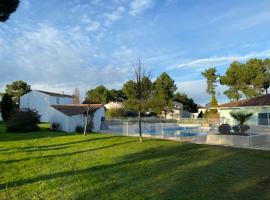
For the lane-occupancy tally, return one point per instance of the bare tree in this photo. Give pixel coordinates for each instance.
(76, 96)
(138, 92)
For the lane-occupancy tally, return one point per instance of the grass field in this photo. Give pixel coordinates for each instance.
(51, 165)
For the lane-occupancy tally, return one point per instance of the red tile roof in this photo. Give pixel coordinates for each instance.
(54, 94)
(75, 109)
(263, 100)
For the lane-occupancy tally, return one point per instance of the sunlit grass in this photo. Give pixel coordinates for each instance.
(56, 165)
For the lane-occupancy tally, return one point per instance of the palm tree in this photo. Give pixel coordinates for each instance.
(241, 118)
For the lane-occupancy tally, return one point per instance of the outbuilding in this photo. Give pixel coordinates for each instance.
(258, 106)
(41, 101)
(71, 116)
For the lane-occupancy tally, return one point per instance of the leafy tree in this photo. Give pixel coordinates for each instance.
(233, 79)
(98, 95)
(213, 101)
(138, 92)
(241, 117)
(117, 95)
(6, 8)
(6, 106)
(16, 89)
(211, 77)
(164, 89)
(187, 102)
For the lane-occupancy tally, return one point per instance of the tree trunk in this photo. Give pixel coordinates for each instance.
(86, 122)
(140, 126)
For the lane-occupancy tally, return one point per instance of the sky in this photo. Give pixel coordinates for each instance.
(59, 45)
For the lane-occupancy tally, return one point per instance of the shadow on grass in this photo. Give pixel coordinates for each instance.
(64, 154)
(181, 171)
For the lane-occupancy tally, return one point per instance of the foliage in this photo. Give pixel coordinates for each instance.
(164, 89)
(240, 129)
(115, 112)
(79, 129)
(224, 129)
(213, 102)
(6, 106)
(23, 121)
(138, 92)
(16, 89)
(248, 79)
(56, 126)
(6, 8)
(117, 95)
(98, 95)
(35, 165)
(241, 117)
(187, 102)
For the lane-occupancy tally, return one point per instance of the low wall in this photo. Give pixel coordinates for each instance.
(236, 140)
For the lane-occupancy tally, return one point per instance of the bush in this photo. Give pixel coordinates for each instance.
(6, 106)
(79, 129)
(56, 126)
(115, 112)
(224, 129)
(241, 129)
(23, 121)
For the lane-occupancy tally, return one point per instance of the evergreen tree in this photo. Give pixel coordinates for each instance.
(16, 89)
(164, 89)
(6, 106)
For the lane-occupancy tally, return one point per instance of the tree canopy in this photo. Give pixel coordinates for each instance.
(6, 8)
(249, 79)
(98, 95)
(188, 103)
(16, 89)
(211, 78)
(164, 89)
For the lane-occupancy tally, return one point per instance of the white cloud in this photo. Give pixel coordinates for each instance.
(114, 16)
(138, 6)
(215, 61)
(54, 59)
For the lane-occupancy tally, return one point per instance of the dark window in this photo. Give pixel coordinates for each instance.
(264, 118)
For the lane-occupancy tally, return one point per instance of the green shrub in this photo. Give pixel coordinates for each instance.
(79, 129)
(56, 126)
(241, 117)
(23, 121)
(7, 107)
(115, 112)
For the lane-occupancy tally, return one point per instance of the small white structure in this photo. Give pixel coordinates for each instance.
(177, 111)
(114, 105)
(71, 116)
(41, 101)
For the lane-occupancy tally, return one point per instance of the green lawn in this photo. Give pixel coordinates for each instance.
(50, 165)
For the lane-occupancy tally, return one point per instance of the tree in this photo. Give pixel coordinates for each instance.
(164, 89)
(233, 79)
(98, 95)
(138, 92)
(187, 102)
(6, 8)
(6, 106)
(76, 96)
(211, 77)
(117, 95)
(16, 89)
(241, 117)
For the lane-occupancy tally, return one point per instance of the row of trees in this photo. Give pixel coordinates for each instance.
(244, 80)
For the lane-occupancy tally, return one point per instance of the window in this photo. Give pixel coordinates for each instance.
(264, 119)
(57, 101)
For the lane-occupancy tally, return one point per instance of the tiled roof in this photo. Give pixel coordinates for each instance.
(263, 100)
(54, 94)
(75, 109)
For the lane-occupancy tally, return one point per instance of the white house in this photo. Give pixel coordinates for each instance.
(42, 100)
(258, 106)
(71, 116)
(177, 112)
(114, 105)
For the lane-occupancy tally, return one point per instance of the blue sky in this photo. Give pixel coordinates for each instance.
(58, 45)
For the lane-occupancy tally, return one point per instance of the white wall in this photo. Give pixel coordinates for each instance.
(97, 118)
(69, 123)
(59, 117)
(41, 102)
(36, 101)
